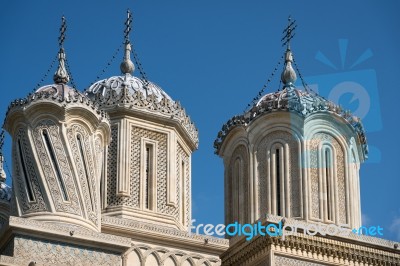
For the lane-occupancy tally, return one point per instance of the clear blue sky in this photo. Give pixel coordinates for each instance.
(214, 57)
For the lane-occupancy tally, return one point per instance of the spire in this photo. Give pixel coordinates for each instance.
(288, 75)
(61, 76)
(127, 66)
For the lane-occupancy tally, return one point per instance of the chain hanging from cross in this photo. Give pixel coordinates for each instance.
(63, 30)
(288, 32)
(128, 26)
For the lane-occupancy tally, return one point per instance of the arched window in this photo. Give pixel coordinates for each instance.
(148, 177)
(182, 177)
(328, 181)
(54, 162)
(277, 174)
(237, 172)
(238, 193)
(24, 173)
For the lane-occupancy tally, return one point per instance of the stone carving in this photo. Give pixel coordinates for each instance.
(136, 99)
(87, 184)
(293, 170)
(240, 153)
(137, 134)
(27, 206)
(285, 261)
(314, 179)
(305, 247)
(339, 176)
(112, 167)
(165, 230)
(57, 253)
(292, 100)
(64, 230)
(146, 255)
(181, 155)
(73, 97)
(99, 152)
(72, 205)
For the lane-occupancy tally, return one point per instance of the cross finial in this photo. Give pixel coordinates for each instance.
(61, 76)
(288, 32)
(128, 27)
(127, 66)
(288, 75)
(63, 29)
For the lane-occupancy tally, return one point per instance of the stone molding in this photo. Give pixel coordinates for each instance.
(162, 233)
(150, 105)
(301, 103)
(336, 250)
(65, 233)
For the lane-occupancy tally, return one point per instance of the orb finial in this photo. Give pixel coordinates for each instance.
(61, 76)
(288, 75)
(127, 66)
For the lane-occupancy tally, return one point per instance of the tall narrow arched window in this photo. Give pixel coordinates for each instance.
(238, 192)
(328, 180)
(182, 177)
(148, 176)
(54, 162)
(277, 179)
(278, 171)
(24, 173)
(236, 189)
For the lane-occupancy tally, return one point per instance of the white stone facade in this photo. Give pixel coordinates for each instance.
(104, 178)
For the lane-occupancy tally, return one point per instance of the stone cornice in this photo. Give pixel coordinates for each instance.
(303, 108)
(333, 249)
(73, 99)
(163, 235)
(64, 233)
(164, 108)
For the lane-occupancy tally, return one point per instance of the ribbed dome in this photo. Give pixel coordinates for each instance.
(107, 87)
(59, 90)
(290, 96)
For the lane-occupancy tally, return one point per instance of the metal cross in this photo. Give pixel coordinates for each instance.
(63, 29)
(289, 32)
(128, 27)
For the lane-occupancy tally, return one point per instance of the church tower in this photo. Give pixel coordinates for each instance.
(58, 138)
(147, 173)
(294, 154)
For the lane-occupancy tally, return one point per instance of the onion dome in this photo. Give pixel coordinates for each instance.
(60, 89)
(138, 96)
(126, 84)
(114, 86)
(293, 100)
